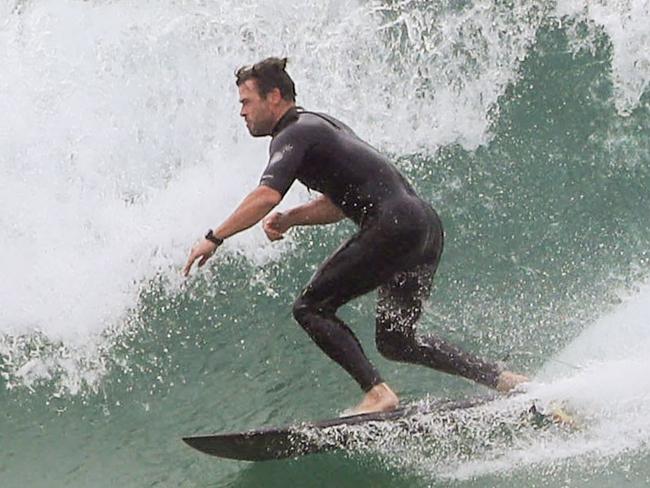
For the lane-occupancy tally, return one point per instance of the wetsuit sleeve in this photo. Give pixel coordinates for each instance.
(286, 155)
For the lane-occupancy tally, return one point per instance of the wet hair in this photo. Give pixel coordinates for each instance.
(269, 74)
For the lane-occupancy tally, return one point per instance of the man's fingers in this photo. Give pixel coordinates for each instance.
(190, 262)
(203, 250)
(273, 220)
(269, 226)
(273, 235)
(186, 269)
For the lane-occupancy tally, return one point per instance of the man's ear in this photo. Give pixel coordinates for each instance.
(274, 96)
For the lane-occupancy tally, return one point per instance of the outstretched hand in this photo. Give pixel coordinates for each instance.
(204, 250)
(275, 225)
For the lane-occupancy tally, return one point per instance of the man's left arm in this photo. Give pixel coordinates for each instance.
(250, 211)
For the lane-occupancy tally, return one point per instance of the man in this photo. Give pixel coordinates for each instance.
(396, 249)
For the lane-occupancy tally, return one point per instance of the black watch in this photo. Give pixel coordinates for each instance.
(214, 239)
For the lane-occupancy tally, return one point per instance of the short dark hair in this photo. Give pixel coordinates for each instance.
(269, 74)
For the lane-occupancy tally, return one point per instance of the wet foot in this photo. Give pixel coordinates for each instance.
(508, 381)
(379, 399)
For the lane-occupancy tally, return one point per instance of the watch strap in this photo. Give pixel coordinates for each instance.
(214, 239)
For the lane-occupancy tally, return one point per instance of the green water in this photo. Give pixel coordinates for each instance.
(546, 227)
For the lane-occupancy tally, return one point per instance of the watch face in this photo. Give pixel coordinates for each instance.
(212, 238)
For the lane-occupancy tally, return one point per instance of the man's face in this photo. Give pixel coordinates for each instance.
(255, 109)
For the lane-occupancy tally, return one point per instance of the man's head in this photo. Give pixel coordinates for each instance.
(266, 91)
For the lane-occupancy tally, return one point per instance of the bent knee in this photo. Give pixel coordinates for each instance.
(301, 308)
(306, 306)
(393, 345)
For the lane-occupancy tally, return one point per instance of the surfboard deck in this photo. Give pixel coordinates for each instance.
(299, 439)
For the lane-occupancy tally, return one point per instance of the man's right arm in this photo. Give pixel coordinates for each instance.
(318, 211)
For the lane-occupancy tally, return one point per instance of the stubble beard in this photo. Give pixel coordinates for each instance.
(261, 128)
(256, 132)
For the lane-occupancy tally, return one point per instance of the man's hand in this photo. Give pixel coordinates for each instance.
(250, 211)
(275, 225)
(204, 250)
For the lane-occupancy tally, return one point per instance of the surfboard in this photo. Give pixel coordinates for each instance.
(304, 438)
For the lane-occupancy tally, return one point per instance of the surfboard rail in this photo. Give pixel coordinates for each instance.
(295, 440)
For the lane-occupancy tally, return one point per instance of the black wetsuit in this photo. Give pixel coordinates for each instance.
(397, 248)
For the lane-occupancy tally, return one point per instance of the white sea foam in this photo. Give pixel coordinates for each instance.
(626, 25)
(609, 393)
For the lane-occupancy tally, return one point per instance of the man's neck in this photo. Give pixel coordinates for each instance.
(282, 113)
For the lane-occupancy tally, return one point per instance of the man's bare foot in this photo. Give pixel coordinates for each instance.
(379, 399)
(509, 380)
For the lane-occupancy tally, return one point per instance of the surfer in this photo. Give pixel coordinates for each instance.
(396, 249)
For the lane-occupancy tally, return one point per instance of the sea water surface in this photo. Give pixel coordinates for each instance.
(525, 123)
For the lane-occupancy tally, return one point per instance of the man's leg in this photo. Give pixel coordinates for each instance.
(355, 269)
(400, 306)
